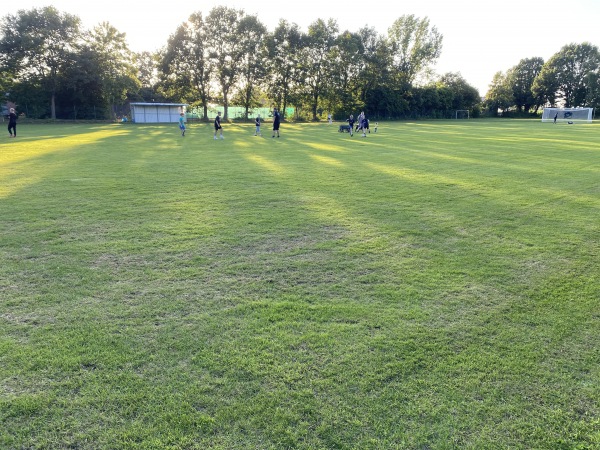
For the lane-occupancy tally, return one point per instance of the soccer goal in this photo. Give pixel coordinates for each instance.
(567, 115)
(461, 114)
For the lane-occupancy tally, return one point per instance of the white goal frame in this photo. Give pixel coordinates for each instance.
(462, 111)
(568, 115)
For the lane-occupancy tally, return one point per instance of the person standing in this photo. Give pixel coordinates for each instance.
(350, 121)
(182, 124)
(12, 123)
(257, 123)
(218, 126)
(276, 122)
(555, 117)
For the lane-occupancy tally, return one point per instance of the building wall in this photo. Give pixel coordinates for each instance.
(156, 113)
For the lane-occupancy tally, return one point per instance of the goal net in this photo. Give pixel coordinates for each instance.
(461, 114)
(567, 114)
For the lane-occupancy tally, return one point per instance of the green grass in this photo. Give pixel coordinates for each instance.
(432, 286)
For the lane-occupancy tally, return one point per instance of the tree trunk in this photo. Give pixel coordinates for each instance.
(53, 107)
(225, 105)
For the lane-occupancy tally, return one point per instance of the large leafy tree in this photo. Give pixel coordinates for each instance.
(565, 77)
(227, 48)
(115, 69)
(185, 64)
(499, 95)
(38, 45)
(521, 78)
(347, 64)
(285, 52)
(80, 91)
(414, 46)
(317, 60)
(253, 61)
(376, 64)
(147, 65)
(464, 96)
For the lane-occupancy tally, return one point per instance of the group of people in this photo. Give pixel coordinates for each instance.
(219, 128)
(362, 124)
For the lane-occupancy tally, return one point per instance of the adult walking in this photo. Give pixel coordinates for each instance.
(12, 123)
(276, 122)
(218, 126)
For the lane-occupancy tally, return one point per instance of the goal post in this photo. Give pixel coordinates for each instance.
(461, 114)
(567, 115)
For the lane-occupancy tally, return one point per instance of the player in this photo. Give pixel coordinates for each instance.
(182, 124)
(276, 122)
(362, 123)
(376, 125)
(350, 121)
(218, 126)
(257, 123)
(12, 123)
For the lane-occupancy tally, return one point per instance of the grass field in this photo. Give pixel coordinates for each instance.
(432, 286)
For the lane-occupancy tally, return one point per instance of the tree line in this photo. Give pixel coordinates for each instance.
(570, 78)
(52, 68)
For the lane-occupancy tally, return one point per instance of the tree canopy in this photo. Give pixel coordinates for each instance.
(53, 68)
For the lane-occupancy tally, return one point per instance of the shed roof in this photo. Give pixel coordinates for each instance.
(158, 104)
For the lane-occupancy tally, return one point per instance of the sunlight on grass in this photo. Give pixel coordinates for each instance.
(327, 160)
(423, 177)
(414, 289)
(21, 169)
(270, 165)
(327, 147)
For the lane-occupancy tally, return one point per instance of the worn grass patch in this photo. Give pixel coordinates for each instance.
(434, 285)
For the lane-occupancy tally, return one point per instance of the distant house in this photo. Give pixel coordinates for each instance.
(157, 112)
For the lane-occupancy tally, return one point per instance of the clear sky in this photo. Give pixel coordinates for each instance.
(481, 37)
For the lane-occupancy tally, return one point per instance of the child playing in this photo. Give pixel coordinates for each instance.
(182, 124)
(257, 123)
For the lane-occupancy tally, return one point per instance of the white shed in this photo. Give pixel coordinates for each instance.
(156, 112)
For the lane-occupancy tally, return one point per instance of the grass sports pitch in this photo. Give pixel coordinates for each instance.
(432, 286)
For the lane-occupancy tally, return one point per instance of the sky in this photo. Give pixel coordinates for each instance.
(480, 37)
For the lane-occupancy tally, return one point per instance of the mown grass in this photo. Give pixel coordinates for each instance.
(432, 286)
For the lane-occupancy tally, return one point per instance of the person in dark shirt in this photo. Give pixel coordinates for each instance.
(257, 123)
(218, 126)
(276, 122)
(12, 123)
(350, 121)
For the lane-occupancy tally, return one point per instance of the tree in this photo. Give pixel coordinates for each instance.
(147, 65)
(224, 38)
(115, 68)
(464, 96)
(185, 65)
(414, 47)
(347, 64)
(499, 95)
(80, 90)
(284, 49)
(38, 45)
(253, 62)
(565, 77)
(521, 78)
(321, 39)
